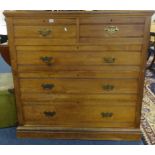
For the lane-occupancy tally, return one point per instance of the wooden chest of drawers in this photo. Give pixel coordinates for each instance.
(78, 74)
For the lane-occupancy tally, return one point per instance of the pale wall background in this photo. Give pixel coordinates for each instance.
(2, 23)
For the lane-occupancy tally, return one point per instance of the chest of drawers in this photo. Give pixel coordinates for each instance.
(78, 74)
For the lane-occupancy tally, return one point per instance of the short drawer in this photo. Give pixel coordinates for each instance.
(78, 86)
(54, 31)
(79, 116)
(51, 58)
(46, 41)
(43, 21)
(116, 30)
(112, 20)
(112, 43)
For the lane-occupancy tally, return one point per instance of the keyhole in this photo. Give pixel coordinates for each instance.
(111, 20)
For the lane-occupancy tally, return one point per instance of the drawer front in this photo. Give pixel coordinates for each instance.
(79, 116)
(47, 48)
(36, 68)
(112, 43)
(21, 44)
(77, 58)
(111, 20)
(111, 31)
(44, 21)
(81, 74)
(78, 86)
(81, 99)
(54, 31)
(42, 41)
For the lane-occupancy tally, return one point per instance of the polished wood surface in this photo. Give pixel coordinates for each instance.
(79, 74)
(79, 116)
(79, 86)
(82, 74)
(124, 31)
(78, 58)
(56, 31)
(112, 20)
(122, 99)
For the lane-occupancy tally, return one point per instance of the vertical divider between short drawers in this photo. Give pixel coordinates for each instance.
(77, 30)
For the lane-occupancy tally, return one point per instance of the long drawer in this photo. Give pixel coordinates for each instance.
(79, 86)
(49, 58)
(79, 116)
(109, 43)
(81, 74)
(102, 68)
(82, 99)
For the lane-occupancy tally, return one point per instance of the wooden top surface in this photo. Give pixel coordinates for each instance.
(77, 12)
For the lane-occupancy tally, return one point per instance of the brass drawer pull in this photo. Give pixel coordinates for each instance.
(47, 86)
(109, 60)
(44, 32)
(107, 87)
(48, 60)
(111, 29)
(106, 114)
(49, 113)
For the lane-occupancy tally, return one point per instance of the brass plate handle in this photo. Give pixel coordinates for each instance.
(49, 113)
(47, 86)
(44, 32)
(111, 29)
(48, 60)
(106, 114)
(108, 87)
(109, 60)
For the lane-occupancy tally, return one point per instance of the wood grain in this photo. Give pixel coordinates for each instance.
(118, 99)
(112, 20)
(81, 74)
(99, 31)
(36, 68)
(88, 134)
(79, 116)
(78, 58)
(83, 85)
(100, 45)
(143, 69)
(43, 21)
(57, 31)
(13, 56)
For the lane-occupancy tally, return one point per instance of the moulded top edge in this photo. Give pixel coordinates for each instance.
(78, 12)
